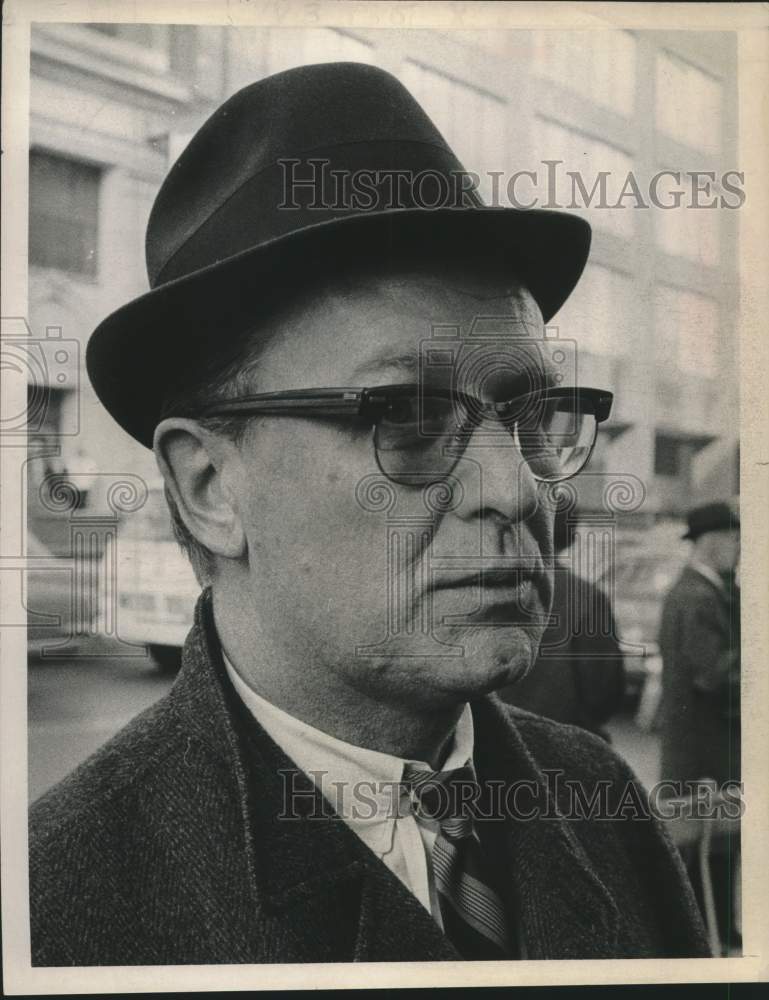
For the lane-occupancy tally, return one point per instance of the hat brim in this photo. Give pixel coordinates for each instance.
(694, 533)
(129, 354)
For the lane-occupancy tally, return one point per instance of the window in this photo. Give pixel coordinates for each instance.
(141, 46)
(63, 213)
(682, 230)
(140, 34)
(599, 65)
(688, 104)
(290, 47)
(44, 407)
(146, 36)
(598, 313)
(668, 460)
(591, 179)
(471, 120)
(686, 331)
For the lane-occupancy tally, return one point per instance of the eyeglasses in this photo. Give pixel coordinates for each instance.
(421, 432)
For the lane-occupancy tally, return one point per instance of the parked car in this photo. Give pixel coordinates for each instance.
(58, 617)
(644, 570)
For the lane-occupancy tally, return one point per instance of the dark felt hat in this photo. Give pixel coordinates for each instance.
(235, 216)
(718, 516)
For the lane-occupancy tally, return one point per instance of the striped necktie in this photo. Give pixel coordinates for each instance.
(473, 914)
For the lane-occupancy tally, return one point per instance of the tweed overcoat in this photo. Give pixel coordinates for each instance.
(700, 645)
(168, 847)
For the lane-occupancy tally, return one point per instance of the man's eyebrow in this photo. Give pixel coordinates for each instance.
(385, 360)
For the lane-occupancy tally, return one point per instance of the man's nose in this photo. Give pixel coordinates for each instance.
(496, 479)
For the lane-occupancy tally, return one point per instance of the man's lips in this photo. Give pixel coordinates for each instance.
(497, 585)
(493, 578)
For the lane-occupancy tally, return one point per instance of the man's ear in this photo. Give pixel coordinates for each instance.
(196, 465)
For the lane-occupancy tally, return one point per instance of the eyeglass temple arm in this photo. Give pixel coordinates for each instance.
(602, 401)
(329, 401)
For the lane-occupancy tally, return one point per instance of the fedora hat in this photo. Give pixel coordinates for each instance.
(717, 516)
(288, 173)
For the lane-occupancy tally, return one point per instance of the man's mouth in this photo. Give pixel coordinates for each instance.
(500, 589)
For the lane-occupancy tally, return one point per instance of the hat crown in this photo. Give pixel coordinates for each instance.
(229, 229)
(310, 111)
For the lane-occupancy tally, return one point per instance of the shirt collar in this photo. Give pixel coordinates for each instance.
(706, 571)
(357, 781)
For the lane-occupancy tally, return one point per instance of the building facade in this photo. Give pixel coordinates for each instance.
(571, 114)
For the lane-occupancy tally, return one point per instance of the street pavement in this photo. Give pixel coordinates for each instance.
(74, 706)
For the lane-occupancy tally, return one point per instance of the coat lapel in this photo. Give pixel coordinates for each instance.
(562, 907)
(340, 902)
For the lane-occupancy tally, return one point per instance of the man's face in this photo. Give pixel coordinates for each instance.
(371, 584)
(726, 549)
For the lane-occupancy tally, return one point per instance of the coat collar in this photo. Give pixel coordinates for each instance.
(704, 572)
(564, 909)
(335, 899)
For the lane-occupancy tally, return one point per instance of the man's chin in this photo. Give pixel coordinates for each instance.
(450, 666)
(490, 659)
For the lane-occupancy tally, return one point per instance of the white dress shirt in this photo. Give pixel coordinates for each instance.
(359, 783)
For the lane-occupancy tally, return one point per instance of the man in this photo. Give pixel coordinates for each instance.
(579, 675)
(700, 709)
(700, 645)
(360, 475)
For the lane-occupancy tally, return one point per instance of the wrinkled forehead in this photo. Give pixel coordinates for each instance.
(442, 326)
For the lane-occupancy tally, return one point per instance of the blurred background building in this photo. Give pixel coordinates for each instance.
(654, 318)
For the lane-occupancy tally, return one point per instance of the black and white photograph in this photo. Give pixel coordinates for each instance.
(384, 543)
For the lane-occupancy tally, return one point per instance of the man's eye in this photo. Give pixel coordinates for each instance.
(436, 411)
(402, 410)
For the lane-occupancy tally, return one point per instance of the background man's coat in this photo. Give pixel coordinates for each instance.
(167, 847)
(700, 644)
(579, 675)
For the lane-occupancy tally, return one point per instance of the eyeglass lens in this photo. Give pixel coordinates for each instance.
(421, 436)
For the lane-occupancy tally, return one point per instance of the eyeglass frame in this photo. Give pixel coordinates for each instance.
(365, 403)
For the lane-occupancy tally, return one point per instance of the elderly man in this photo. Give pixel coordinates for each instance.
(358, 421)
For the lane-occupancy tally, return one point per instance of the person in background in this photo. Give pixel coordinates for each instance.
(700, 644)
(579, 675)
(700, 711)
